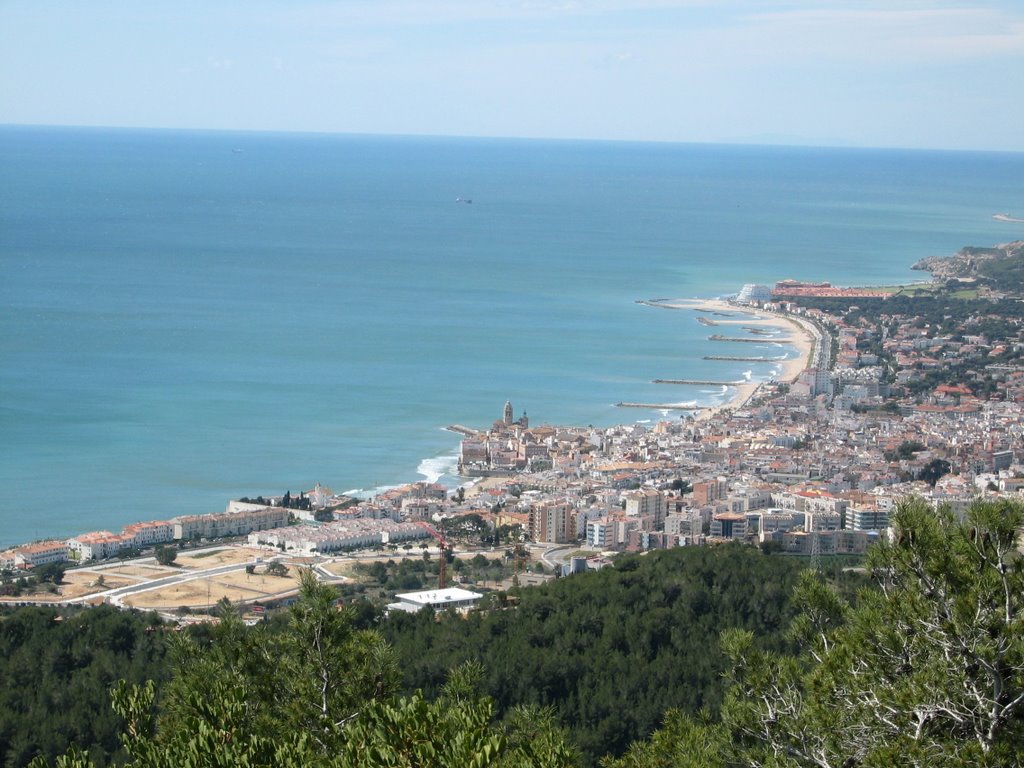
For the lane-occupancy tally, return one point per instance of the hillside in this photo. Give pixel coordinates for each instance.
(1001, 267)
(611, 651)
(927, 670)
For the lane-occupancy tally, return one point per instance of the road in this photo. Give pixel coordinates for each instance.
(115, 596)
(557, 556)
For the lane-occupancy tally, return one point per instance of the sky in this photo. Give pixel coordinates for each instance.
(928, 74)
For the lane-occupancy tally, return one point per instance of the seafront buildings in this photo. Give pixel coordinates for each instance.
(814, 465)
(306, 539)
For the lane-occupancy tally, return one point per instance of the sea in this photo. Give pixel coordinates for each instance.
(188, 317)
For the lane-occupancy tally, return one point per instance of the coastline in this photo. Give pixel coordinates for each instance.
(129, 412)
(733, 315)
(718, 312)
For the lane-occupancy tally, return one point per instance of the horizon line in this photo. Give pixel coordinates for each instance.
(796, 143)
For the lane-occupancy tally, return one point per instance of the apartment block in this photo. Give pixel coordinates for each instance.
(222, 524)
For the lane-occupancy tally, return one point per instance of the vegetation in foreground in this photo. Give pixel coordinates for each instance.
(56, 672)
(611, 651)
(925, 669)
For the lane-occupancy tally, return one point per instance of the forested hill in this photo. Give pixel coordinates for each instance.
(56, 671)
(926, 672)
(611, 650)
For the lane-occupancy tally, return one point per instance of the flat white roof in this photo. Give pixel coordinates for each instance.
(439, 596)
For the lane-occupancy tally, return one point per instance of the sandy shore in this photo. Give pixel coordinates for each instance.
(728, 316)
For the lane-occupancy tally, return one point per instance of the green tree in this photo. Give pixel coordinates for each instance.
(644, 632)
(277, 568)
(934, 470)
(682, 742)
(908, 448)
(56, 669)
(166, 555)
(50, 573)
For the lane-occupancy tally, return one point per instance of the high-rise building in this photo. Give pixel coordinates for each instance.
(754, 294)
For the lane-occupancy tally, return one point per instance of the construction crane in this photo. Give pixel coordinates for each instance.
(445, 548)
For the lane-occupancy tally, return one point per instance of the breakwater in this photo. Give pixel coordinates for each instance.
(699, 381)
(662, 406)
(761, 359)
(459, 429)
(720, 337)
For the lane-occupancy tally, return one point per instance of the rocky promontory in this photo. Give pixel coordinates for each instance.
(972, 262)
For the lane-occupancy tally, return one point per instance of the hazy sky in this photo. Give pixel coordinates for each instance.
(900, 73)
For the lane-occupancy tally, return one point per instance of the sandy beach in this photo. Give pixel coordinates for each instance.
(725, 316)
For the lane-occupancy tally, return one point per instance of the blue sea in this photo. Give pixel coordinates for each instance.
(186, 317)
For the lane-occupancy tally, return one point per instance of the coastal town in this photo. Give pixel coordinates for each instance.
(886, 399)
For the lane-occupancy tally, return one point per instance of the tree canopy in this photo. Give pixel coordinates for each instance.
(610, 651)
(166, 555)
(927, 669)
(924, 667)
(56, 670)
(319, 694)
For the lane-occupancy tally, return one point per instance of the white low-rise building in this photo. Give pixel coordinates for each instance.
(438, 599)
(150, 533)
(239, 523)
(97, 545)
(40, 553)
(330, 537)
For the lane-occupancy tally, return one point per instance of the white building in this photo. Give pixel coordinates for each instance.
(238, 523)
(97, 545)
(751, 293)
(40, 553)
(601, 533)
(150, 533)
(438, 599)
(344, 534)
(867, 519)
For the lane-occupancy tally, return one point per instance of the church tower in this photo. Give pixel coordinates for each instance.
(507, 418)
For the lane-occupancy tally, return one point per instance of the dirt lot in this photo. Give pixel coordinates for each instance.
(238, 586)
(226, 556)
(199, 593)
(139, 570)
(79, 583)
(342, 568)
